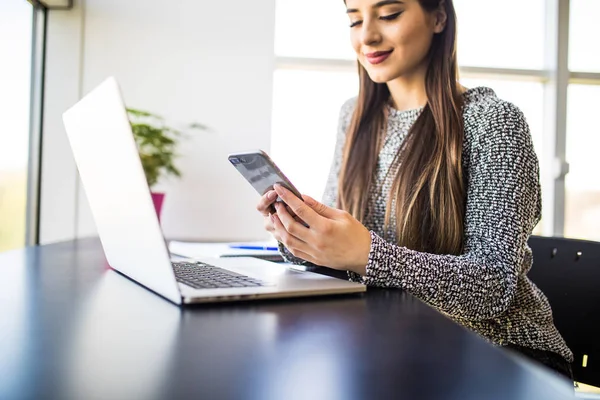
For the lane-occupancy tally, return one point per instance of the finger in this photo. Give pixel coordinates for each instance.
(299, 220)
(268, 224)
(275, 232)
(292, 244)
(320, 208)
(291, 225)
(302, 210)
(289, 241)
(276, 236)
(265, 202)
(290, 211)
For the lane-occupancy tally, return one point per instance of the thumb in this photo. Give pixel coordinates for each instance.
(320, 208)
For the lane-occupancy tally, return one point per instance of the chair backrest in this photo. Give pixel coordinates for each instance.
(568, 272)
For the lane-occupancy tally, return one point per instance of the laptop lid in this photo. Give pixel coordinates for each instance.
(113, 178)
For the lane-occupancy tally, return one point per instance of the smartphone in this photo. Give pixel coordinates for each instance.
(261, 172)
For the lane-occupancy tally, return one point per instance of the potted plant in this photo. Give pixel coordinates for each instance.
(157, 144)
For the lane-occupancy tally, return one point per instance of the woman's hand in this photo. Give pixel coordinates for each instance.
(333, 237)
(265, 208)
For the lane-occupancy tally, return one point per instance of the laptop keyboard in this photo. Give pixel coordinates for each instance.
(205, 276)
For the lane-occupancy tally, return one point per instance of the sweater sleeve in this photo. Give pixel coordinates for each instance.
(503, 205)
(331, 187)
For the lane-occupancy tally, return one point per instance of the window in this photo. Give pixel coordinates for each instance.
(16, 27)
(583, 40)
(582, 183)
(582, 214)
(493, 34)
(305, 112)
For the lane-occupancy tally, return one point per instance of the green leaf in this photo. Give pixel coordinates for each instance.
(196, 125)
(156, 143)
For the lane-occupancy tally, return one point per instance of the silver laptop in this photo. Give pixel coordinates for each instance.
(109, 165)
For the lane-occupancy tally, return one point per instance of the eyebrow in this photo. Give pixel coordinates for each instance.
(377, 5)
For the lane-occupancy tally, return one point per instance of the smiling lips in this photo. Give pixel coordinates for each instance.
(378, 57)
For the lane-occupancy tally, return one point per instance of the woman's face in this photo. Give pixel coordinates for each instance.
(391, 38)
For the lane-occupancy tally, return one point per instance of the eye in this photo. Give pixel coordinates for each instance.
(356, 23)
(390, 17)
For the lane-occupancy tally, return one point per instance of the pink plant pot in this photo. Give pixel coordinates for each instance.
(157, 199)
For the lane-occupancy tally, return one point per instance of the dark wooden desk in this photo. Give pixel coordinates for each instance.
(71, 329)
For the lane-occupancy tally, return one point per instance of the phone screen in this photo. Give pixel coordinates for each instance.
(261, 172)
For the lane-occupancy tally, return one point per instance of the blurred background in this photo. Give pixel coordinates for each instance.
(269, 74)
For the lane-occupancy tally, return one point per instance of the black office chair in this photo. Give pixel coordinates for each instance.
(568, 272)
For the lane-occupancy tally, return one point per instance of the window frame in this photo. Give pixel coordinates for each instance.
(36, 107)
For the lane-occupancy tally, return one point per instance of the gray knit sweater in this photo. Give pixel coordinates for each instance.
(486, 288)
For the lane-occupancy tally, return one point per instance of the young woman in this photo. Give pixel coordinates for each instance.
(434, 188)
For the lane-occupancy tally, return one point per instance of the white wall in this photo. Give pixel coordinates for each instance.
(188, 60)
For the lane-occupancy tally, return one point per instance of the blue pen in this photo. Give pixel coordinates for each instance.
(242, 247)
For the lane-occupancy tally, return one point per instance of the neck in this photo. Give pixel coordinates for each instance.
(408, 91)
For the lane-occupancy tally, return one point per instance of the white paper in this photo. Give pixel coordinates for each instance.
(196, 250)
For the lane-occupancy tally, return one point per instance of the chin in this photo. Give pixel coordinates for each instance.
(381, 76)
(380, 73)
(379, 79)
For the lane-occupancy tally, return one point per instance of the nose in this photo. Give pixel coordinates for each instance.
(370, 34)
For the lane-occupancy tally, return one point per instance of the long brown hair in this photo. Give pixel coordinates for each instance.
(428, 191)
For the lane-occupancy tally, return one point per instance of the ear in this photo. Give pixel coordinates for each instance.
(440, 18)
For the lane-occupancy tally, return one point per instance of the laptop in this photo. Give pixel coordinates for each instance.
(113, 179)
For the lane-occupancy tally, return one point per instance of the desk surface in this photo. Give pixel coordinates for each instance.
(72, 329)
